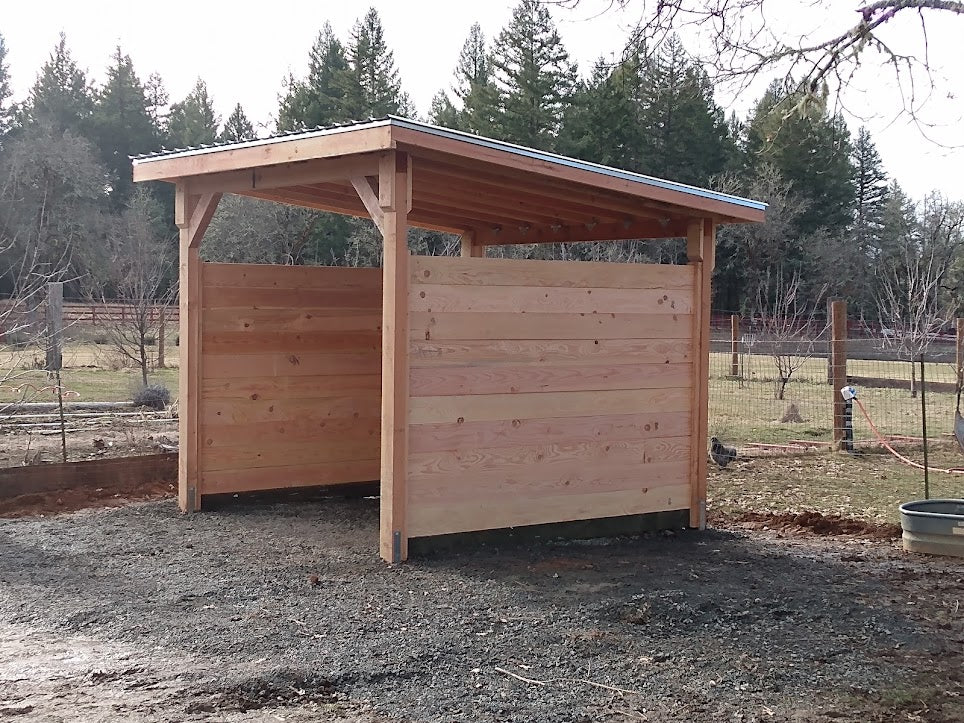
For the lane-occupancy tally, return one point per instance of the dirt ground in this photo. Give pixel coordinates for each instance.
(278, 608)
(115, 437)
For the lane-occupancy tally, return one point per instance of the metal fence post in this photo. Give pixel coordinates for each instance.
(838, 368)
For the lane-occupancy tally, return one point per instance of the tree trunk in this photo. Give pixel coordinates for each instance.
(913, 380)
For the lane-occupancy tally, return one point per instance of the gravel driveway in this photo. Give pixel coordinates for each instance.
(281, 610)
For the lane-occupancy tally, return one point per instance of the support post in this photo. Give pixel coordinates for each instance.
(393, 200)
(471, 247)
(160, 337)
(192, 214)
(700, 252)
(55, 326)
(838, 369)
(735, 346)
(959, 358)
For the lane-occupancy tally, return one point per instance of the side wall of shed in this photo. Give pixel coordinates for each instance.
(544, 391)
(290, 376)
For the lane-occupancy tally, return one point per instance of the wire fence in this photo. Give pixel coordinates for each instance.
(775, 395)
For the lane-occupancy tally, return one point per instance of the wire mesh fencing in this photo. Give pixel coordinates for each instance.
(770, 394)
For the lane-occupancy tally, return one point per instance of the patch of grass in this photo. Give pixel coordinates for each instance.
(91, 385)
(868, 486)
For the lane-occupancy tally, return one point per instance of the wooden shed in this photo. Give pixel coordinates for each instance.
(483, 393)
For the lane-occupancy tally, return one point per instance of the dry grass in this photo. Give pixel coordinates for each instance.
(868, 486)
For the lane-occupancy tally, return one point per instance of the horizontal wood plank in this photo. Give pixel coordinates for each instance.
(477, 408)
(291, 277)
(525, 272)
(226, 366)
(445, 298)
(577, 467)
(431, 326)
(278, 454)
(307, 475)
(549, 352)
(318, 429)
(444, 518)
(225, 297)
(547, 430)
(258, 342)
(302, 387)
(314, 319)
(246, 411)
(431, 381)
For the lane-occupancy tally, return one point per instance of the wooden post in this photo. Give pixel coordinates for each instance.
(394, 199)
(160, 338)
(700, 251)
(959, 360)
(838, 367)
(470, 247)
(55, 326)
(735, 345)
(192, 213)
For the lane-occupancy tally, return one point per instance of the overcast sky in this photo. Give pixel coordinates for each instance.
(243, 51)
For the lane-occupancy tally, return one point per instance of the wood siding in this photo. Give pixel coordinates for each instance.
(547, 391)
(290, 376)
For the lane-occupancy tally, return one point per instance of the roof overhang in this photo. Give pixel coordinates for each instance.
(501, 192)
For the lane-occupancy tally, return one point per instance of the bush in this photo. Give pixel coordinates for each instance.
(154, 396)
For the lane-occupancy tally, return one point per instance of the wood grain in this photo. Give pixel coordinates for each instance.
(317, 428)
(308, 475)
(549, 352)
(478, 408)
(239, 296)
(280, 320)
(537, 273)
(439, 519)
(444, 298)
(430, 381)
(226, 366)
(259, 342)
(430, 326)
(290, 387)
(258, 276)
(547, 430)
(245, 411)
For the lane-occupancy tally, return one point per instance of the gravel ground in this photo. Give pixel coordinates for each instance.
(273, 610)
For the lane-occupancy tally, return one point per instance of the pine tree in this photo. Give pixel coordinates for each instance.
(237, 127)
(121, 125)
(193, 122)
(534, 77)
(157, 99)
(61, 96)
(321, 99)
(686, 138)
(812, 150)
(476, 98)
(376, 88)
(870, 184)
(5, 91)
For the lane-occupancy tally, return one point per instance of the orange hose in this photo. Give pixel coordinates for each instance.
(898, 455)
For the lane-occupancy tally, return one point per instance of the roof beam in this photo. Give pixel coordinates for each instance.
(258, 155)
(287, 174)
(640, 229)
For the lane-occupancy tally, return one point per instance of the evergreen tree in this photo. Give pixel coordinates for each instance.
(686, 138)
(376, 88)
(811, 149)
(157, 100)
(193, 122)
(443, 112)
(870, 185)
(122, 126)
(61, 96)
(321, 99)
(237, 127)
(534, 77)
(5, 91)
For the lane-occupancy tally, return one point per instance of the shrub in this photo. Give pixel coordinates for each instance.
(154, 396)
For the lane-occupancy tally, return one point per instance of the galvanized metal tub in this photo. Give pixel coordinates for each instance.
(934, 527)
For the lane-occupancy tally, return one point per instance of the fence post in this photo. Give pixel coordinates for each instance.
(735, 345)
(55, 325)
(838, 368)
(959, 361)
(160, 338)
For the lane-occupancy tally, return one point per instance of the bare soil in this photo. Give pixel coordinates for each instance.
(278, 608)
(115, 437)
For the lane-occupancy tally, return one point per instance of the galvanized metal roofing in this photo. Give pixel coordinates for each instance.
(490, 143)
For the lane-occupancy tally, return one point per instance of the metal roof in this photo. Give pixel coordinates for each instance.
(482, 141)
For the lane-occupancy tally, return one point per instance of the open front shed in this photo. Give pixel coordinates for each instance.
(483, 393)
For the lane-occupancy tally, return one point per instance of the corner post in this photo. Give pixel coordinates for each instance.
(700, 254)
(192, 214)
(394, 200)
(838, 369)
